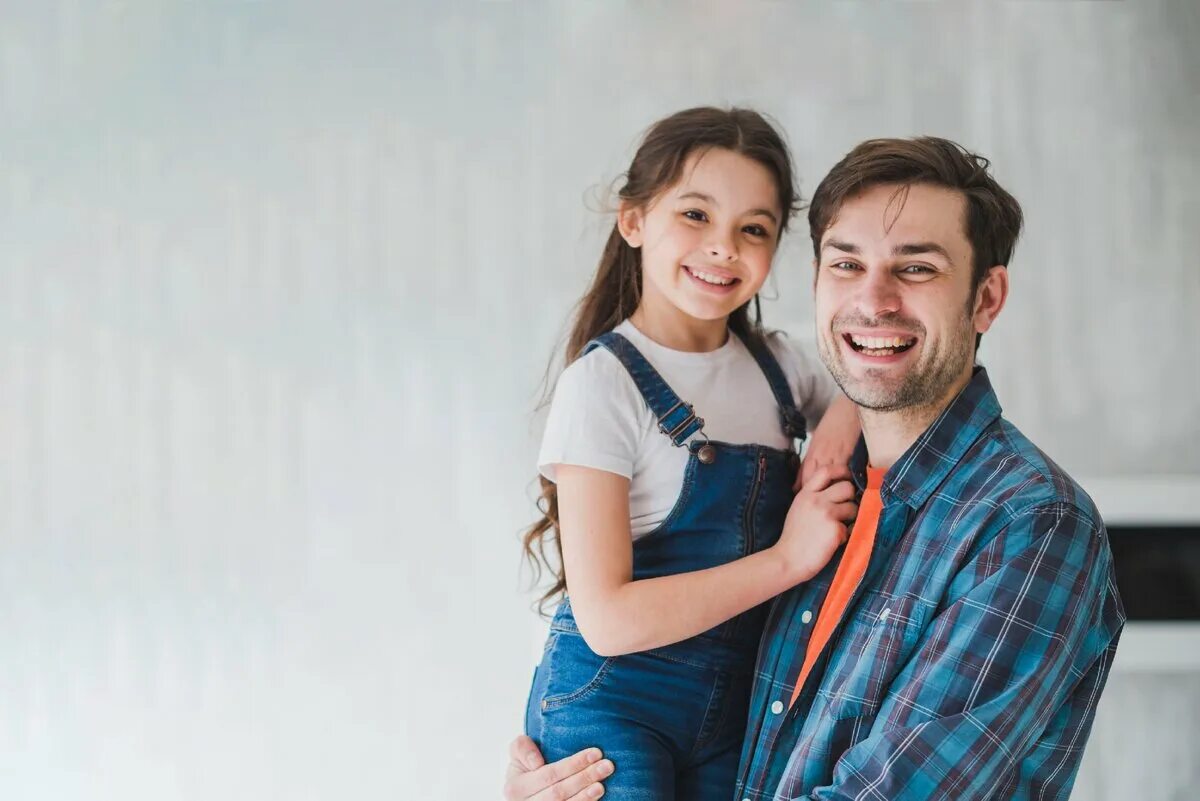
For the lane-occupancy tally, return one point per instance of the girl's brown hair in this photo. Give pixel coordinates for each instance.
(616, 289)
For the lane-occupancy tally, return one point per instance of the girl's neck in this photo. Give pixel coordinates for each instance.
(677, 330)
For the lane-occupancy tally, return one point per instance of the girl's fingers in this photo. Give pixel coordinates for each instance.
(847, 511)
(840, 491)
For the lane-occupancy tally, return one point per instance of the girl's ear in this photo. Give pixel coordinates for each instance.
(630, 222)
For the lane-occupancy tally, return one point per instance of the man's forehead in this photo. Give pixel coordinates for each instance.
(898, 216)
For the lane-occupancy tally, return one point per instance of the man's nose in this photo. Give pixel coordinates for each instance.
(880, 294)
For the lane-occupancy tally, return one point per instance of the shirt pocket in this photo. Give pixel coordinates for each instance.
(876, 643)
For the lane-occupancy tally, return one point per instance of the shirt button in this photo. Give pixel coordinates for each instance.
(777, 707)
(884, 615)
(806, 617)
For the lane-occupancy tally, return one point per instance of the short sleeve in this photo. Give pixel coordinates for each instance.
(811, 383)
(596, 418)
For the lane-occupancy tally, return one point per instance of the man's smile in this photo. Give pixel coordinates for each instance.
(878, 346)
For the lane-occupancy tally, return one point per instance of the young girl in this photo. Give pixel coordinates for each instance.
(668, 467)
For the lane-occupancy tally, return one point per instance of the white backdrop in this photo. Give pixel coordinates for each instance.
(279, 282)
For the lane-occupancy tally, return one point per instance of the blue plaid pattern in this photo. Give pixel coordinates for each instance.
(970, 660)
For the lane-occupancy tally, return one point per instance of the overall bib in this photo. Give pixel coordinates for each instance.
(672, 719)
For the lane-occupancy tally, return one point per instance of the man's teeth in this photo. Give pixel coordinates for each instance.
(879, 343)
(709, 278)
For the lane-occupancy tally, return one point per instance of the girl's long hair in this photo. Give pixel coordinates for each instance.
(616, 290)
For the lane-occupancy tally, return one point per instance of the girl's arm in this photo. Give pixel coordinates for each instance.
(617, 615)
(833, 440)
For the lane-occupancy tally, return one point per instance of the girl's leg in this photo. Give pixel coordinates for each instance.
(644, 766)
(711, 780)
(580, 700)
(711, 772)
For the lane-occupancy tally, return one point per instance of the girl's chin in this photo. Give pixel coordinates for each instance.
(711, 312)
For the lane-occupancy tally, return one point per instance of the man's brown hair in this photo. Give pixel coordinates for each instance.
(993, 216)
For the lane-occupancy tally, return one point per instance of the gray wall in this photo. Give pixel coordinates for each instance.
(279, 282)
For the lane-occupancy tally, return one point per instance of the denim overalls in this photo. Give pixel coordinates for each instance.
(672, 719)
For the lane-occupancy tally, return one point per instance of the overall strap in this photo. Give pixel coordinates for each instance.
(794, 425)
(676, 418)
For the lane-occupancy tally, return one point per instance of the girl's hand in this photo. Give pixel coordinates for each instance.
(833, 440)
(816, 523)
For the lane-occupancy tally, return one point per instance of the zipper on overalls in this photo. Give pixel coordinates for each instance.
(748, 515)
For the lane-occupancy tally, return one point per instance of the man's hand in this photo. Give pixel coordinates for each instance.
(576, 778)
(833, 440)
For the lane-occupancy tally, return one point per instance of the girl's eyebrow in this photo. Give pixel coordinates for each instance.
(710, 199)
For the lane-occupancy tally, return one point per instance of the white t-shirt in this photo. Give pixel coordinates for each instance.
(599, 419)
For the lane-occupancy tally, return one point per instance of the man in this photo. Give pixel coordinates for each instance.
(958, 647)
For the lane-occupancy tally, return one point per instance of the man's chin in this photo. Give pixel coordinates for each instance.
(873, 396)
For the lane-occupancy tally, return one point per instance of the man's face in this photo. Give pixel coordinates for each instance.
(895, 324)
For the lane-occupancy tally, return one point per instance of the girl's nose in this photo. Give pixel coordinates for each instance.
(722, 249)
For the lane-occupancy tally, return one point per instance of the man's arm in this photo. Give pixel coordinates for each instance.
(1023, 648)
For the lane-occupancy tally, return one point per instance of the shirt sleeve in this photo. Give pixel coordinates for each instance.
(595, 418)
(1000, 697)
(812, 385)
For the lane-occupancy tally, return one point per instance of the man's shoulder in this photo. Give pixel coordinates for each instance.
(1005, 469)
(1012, 495)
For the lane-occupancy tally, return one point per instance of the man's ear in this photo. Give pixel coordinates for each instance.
(816, 271)
(990, 298)
(631, 223)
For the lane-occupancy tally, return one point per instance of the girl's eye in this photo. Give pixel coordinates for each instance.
(755, 230)
(696, 214)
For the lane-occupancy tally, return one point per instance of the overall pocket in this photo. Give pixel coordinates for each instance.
(573, 671)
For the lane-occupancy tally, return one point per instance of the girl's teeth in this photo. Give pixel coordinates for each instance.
(708, 278)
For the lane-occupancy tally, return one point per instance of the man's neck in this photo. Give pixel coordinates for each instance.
(889, 434)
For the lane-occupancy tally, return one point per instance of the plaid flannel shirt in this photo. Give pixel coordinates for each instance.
(971, 657)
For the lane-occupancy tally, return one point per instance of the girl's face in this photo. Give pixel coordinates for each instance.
(707, 242)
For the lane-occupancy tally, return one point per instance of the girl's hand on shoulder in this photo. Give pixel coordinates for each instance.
(816, 524)
(833, 440)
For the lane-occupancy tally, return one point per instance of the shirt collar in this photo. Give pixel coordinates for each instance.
(927, 462)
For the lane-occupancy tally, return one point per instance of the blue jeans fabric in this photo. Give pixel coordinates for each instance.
(672, 719)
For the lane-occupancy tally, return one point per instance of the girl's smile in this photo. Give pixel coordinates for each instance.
(711, 279)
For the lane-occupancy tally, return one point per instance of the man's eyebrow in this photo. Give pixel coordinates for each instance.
(921, 248)
(710, 199)
(837, 244)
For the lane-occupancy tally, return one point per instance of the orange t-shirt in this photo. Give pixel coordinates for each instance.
(849, 573)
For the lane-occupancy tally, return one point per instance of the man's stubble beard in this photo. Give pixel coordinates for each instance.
(925, 383)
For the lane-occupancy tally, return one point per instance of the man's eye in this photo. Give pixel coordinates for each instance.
(844, 265)
(696, 214)
(916, 269)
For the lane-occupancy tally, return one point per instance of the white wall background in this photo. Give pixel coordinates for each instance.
(279, 282)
